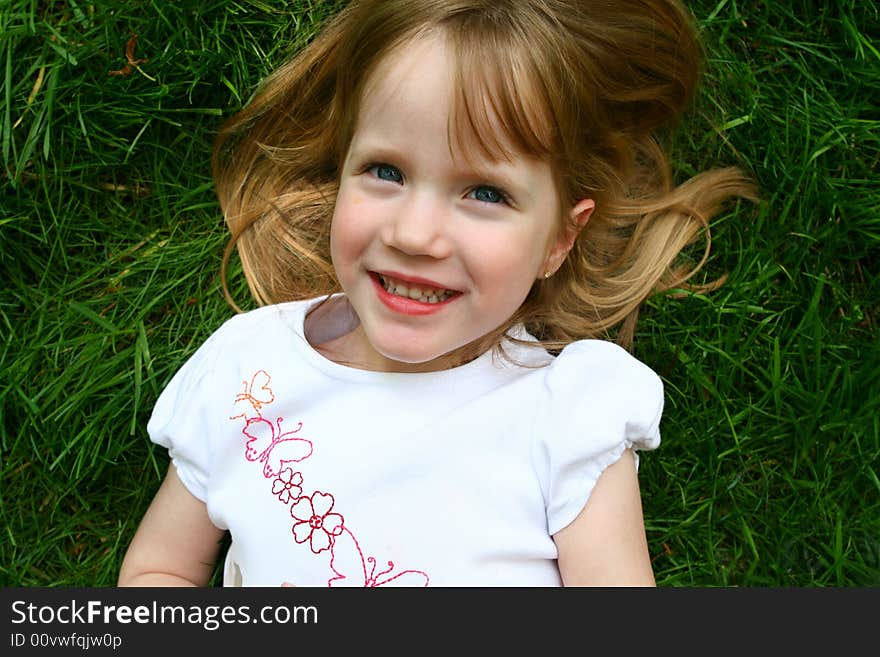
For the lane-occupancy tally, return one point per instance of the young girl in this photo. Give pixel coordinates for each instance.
(445, 208)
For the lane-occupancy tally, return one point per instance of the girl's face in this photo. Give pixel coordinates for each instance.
(432, 252)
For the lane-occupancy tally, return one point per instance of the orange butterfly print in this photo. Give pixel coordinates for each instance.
(254, 394)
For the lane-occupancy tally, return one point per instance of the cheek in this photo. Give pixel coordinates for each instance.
(348, 230)
(334, 238)
(509, 264)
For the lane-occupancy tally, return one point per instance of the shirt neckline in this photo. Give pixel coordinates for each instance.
(478, 366)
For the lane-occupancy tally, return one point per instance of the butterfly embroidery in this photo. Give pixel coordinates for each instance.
(352, 569)
(316, 521)
(272, 447)
(255, 394)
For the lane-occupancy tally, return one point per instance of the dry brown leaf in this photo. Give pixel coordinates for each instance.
(131, 62)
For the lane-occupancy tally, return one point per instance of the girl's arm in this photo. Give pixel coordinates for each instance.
(606, 545)
(176, 543)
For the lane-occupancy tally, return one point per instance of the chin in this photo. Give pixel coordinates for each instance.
(425, 360)
(410, 358)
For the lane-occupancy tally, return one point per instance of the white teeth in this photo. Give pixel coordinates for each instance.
(427, 295)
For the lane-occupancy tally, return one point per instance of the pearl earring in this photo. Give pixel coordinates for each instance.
(548, 274)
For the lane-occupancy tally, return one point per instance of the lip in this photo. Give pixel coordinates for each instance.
(406, 306)
(415, 280)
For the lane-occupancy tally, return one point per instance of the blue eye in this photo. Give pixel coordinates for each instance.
(488, 195)
(386, 172)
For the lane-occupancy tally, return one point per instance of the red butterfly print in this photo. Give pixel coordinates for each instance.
(352, 569)
(255, 394)
(273, 448)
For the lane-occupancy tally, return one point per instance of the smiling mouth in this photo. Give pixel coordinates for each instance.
(416, 292)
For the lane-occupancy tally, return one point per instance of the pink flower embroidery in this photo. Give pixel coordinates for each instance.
(315, 522)
(288, 485)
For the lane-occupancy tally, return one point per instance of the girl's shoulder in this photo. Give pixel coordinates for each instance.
(602, 363)
(262, 331)
(288, 315)
(597, 382)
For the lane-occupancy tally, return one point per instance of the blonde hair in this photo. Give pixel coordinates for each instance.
(582, 85)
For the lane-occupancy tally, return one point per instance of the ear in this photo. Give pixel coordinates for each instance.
(578, 217)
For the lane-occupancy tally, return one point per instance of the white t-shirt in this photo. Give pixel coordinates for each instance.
(330, 475)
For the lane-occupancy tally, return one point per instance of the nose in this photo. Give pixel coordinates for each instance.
(419, 226)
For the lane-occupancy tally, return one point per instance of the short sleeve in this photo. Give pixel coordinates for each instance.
(180, 420)
(599, 401)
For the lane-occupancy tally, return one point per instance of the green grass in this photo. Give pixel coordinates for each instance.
(110, 241)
